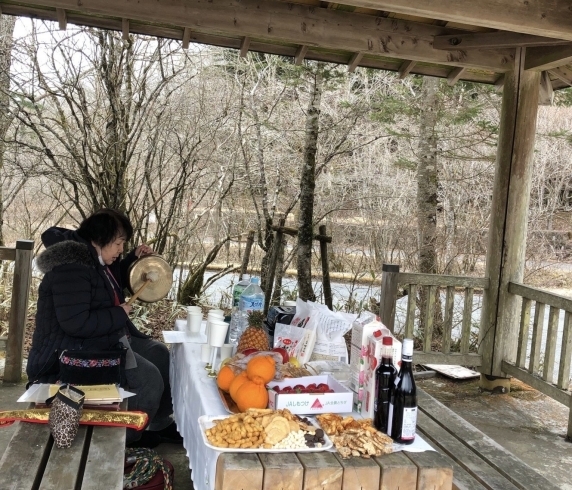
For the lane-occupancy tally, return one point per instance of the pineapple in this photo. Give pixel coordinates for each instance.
(254, 337)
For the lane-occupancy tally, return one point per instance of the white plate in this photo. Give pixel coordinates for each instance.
(206, 422)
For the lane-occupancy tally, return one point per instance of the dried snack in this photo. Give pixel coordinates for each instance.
(355, 437)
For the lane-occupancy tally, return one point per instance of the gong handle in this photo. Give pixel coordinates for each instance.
(139, 291)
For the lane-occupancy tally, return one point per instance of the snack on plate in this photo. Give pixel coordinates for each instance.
(264, 429)
(353, 437)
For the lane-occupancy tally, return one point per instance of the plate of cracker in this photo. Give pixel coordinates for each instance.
(355, 437)
(263, 430)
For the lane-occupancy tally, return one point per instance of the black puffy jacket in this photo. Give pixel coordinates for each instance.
(75, 303)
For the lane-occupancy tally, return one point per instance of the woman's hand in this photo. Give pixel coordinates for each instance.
(126, 308)
(142, 250)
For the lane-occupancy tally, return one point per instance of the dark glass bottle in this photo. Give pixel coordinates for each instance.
(384, 381)
(403, 409)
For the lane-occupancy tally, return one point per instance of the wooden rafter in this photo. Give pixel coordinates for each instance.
(354, 62)
(454, 76)
(186, 38)
(244, 46)
(487, 40)
(538, 17)
(406, 68)
(546, 94)
(62, 19)
(562, 74)
(300, 54)
(546, 58)
(125, 29)
(283, 22)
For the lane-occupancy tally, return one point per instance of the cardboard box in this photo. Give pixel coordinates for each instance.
(311, 403)
(359, 357)
(374, 345)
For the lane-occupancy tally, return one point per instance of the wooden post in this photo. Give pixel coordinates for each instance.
(508, 226)
(278, 234)
(18, 311)
(246, 256)
(389, 277)
(326, 284)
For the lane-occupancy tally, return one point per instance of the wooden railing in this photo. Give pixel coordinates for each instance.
(535, 366)
(392, 279)
(14, 344)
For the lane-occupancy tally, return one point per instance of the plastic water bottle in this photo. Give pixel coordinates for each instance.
(252, 298)
(234, 330)
(239, 288)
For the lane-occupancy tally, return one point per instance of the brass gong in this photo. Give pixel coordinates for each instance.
(137, 276)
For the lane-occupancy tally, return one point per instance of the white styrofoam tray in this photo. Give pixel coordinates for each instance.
(206, 422)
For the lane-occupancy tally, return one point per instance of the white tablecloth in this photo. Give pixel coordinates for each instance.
(194, 394)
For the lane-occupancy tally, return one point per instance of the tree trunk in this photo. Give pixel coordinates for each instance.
(307, 188)
(6, 38)
(427, 184)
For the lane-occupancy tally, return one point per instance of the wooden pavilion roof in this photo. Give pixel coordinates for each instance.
(473, 40)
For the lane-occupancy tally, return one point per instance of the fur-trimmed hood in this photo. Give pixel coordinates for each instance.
(66, 252)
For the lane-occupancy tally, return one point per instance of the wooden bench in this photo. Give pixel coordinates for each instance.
(327, 471)
(478, 461)
(94, 462)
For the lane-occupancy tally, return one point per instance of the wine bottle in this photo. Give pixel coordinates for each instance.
(404, 407)
(384, 381)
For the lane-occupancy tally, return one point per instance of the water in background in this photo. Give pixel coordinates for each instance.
(358, 298)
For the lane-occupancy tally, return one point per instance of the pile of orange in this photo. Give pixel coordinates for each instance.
(248, 388)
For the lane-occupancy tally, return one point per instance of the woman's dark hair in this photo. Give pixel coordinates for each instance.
(104, 226)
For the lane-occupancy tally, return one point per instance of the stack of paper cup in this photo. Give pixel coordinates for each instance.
(218, 331)
(194, 319)
(213, 315)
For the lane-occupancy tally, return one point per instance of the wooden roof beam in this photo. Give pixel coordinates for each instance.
(300, 54)
(244, 45)
(488, 40)
(281, 22)
(454, 76)
(125, 29)
(406, 68)
(186, 38)
(499, 84)
(562, 74)
(354, 62)
(546, 58)
(62, 19)
(546, 92)
(537, 17)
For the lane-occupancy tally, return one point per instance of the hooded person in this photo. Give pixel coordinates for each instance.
(81, 306)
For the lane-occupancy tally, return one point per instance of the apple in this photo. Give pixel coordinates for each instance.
(283, 352)
(247, 352)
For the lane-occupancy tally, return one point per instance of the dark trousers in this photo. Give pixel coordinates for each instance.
(150, 383)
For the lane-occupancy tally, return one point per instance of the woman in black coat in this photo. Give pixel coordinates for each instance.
(81, 306)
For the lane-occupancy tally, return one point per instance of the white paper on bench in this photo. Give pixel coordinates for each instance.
(40, 392)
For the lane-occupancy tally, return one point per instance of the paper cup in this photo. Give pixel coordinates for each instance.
(218, 312)
(215, 316)
(226, 351)
(206, 353)
(218, 333)
(194, 321)
(194, 309)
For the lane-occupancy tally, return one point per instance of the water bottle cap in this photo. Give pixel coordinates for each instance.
(387, 340)
(254, 280)
(245, 277)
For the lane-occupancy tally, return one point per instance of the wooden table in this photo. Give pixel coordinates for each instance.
(327, 471)
(195, 395)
